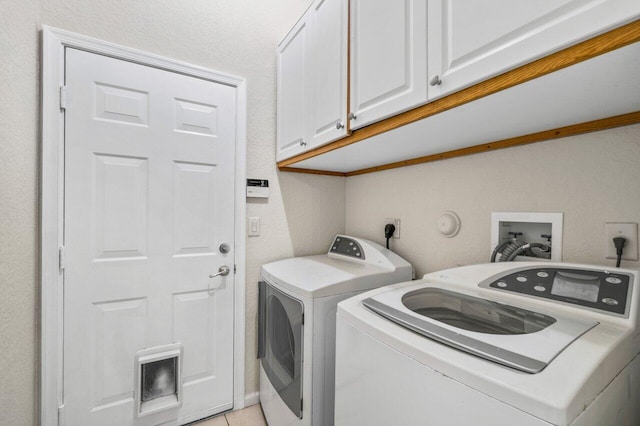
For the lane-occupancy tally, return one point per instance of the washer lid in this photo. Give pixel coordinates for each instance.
(319, 276)
(513, 336)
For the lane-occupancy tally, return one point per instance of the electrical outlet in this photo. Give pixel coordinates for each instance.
(626, 230)
(396, 223)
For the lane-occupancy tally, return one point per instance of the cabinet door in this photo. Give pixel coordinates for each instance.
(471, 41)
(292, 92)
(328, 107)
(388, 58)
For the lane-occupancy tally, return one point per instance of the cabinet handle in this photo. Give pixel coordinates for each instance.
(352, 116)
(303, 143)
(339, 125)
(435, 81)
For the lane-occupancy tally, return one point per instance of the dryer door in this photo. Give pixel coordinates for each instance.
(281, 342)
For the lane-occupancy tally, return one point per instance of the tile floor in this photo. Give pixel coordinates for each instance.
(250, 416)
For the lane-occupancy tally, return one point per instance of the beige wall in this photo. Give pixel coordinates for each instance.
(232, 36)
(18, 213)
(592, 179)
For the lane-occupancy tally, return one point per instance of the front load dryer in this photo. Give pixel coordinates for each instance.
(297, 319)
(501, 344)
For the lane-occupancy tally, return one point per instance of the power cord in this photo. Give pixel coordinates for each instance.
(389, 229)
(619, 242)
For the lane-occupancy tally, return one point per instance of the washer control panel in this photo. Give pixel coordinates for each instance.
(346, 246)
(603, 290)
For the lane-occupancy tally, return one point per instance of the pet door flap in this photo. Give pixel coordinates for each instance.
(158, 379)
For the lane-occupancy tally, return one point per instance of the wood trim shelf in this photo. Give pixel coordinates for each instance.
(596, 46)
(312, 171)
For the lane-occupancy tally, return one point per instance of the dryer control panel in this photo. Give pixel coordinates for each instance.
(598, 289)
(347, 247)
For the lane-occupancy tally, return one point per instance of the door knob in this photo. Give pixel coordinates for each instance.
(352, 116)
(224, 248)
(339, 125)
(435, 81)
(224, 270)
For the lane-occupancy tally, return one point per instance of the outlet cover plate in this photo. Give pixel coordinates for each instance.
(396, 223)
(627, 230)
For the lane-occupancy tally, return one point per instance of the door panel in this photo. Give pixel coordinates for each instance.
(119, 326)
(292, 56)
(193, 209)
(329, 21)
(388, 58)
(188, 328)
(471, 41)
(120, 214)
(149, 181)
(121, 104)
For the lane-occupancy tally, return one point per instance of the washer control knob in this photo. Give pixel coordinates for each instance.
(613, 280)
(521, 279)
(501, 284)
(542, 274)
(610, 301)
(539, 288)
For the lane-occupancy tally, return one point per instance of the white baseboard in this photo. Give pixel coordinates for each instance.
(251, 399)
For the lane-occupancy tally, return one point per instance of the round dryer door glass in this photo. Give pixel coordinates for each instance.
(474, 314)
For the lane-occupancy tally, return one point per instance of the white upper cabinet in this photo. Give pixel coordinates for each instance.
(471, 41)
(388, 58)
(312, 80)
(328, 85)
(293, 86)
(381, 58)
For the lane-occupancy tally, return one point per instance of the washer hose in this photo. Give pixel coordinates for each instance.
(521, 249)
(506, 248)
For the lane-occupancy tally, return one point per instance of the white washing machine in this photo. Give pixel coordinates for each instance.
(525, 344)
(297, 319)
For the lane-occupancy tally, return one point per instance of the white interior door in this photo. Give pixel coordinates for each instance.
(149, 198)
